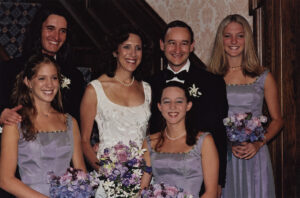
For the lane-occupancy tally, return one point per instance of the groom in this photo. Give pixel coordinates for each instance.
(208, 91)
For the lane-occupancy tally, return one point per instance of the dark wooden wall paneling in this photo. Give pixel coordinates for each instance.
(276, 24)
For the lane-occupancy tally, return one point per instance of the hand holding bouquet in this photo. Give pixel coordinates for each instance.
(73, 184)
(243, 127)
(121, 170)
(164, 190)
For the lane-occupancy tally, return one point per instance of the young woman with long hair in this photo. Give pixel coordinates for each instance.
(46, 139)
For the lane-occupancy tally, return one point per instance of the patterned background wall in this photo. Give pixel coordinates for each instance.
(203, 16)
(14, 17)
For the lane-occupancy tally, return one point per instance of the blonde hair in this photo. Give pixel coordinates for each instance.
(218, 63)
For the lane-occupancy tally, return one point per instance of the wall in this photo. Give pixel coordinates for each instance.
(202, 15)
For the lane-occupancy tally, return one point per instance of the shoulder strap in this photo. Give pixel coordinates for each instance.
(262, 78)
(97, 86)
(70, 129)
(147, 92)
(149, 143)
(200, 141)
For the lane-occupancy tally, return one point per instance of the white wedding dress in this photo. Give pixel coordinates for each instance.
(120, 123)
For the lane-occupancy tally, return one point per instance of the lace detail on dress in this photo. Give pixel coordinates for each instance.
(120, 123)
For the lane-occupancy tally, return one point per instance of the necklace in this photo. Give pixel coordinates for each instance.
(174, 138)
(235, 67)
(125, 84)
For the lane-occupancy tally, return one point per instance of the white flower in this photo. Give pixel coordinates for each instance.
(263, 119)
(226, 121)
(194, 91)
(65, 82)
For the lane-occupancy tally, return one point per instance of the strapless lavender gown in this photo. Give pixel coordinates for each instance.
(183, 170)
(251, 178)
(49, 151)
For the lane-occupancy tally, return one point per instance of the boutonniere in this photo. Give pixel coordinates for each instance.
(193, 90)
(65, 82)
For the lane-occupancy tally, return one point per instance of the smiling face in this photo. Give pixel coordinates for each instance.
(54, 34)
(44, 84)
(129, 53)
(173, 105)
(234, 40)
(177, 47)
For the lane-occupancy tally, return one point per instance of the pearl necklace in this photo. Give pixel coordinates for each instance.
(235, 67)
(125, 84)
(174, 138)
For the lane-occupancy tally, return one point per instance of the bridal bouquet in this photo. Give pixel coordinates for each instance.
(243, 127)
(164, 190)
(73, 184)
(121, 168)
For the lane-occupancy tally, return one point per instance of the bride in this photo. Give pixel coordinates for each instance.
(119, 101)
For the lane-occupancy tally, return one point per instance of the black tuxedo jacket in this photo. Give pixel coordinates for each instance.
(208, 109)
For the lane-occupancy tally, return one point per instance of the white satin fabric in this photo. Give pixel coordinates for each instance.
(120, 123)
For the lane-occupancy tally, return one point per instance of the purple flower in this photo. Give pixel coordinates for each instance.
(74, 183)
(164, 190)
(120, 171)
(243, 127)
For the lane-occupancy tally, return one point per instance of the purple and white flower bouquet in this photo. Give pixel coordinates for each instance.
(164, 190)
(74, 183)
(243, 127)
(121, 169)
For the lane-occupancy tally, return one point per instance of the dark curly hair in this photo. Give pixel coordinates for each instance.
(21, 93)
(120, 35)
(189, 120)
(33, 44)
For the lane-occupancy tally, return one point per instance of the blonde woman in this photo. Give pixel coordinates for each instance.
(249, 170)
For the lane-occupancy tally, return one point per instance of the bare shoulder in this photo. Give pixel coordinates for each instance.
(155, 136)
(200, 133)
(270, 82)
(90, 89)
(154, 139)
(208, 137)
(74, 121)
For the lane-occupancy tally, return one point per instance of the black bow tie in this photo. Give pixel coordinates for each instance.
(168, 75)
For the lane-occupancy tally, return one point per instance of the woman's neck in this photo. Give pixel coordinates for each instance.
(175, 130)
(44, 109)
(123, 75)
(234, 62)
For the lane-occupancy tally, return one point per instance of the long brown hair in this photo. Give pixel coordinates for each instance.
(218, 63)
(22, 94)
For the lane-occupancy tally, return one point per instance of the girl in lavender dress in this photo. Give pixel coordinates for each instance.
(45, 140)
(180, 156)
(249, 170)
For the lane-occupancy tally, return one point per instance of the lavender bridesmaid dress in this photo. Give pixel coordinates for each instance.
(49, 151)
(183, 170)
(251, 178)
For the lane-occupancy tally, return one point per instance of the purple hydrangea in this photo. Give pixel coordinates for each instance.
(243, 127)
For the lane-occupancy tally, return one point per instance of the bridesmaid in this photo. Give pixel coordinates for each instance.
(249, 170)
(45, 140)
(179, 155)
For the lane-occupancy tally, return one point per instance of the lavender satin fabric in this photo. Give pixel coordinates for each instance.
(49, 151)
(251, 178)
(183, 170)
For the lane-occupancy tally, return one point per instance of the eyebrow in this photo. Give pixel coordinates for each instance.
(170, 40)
(47, 26)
